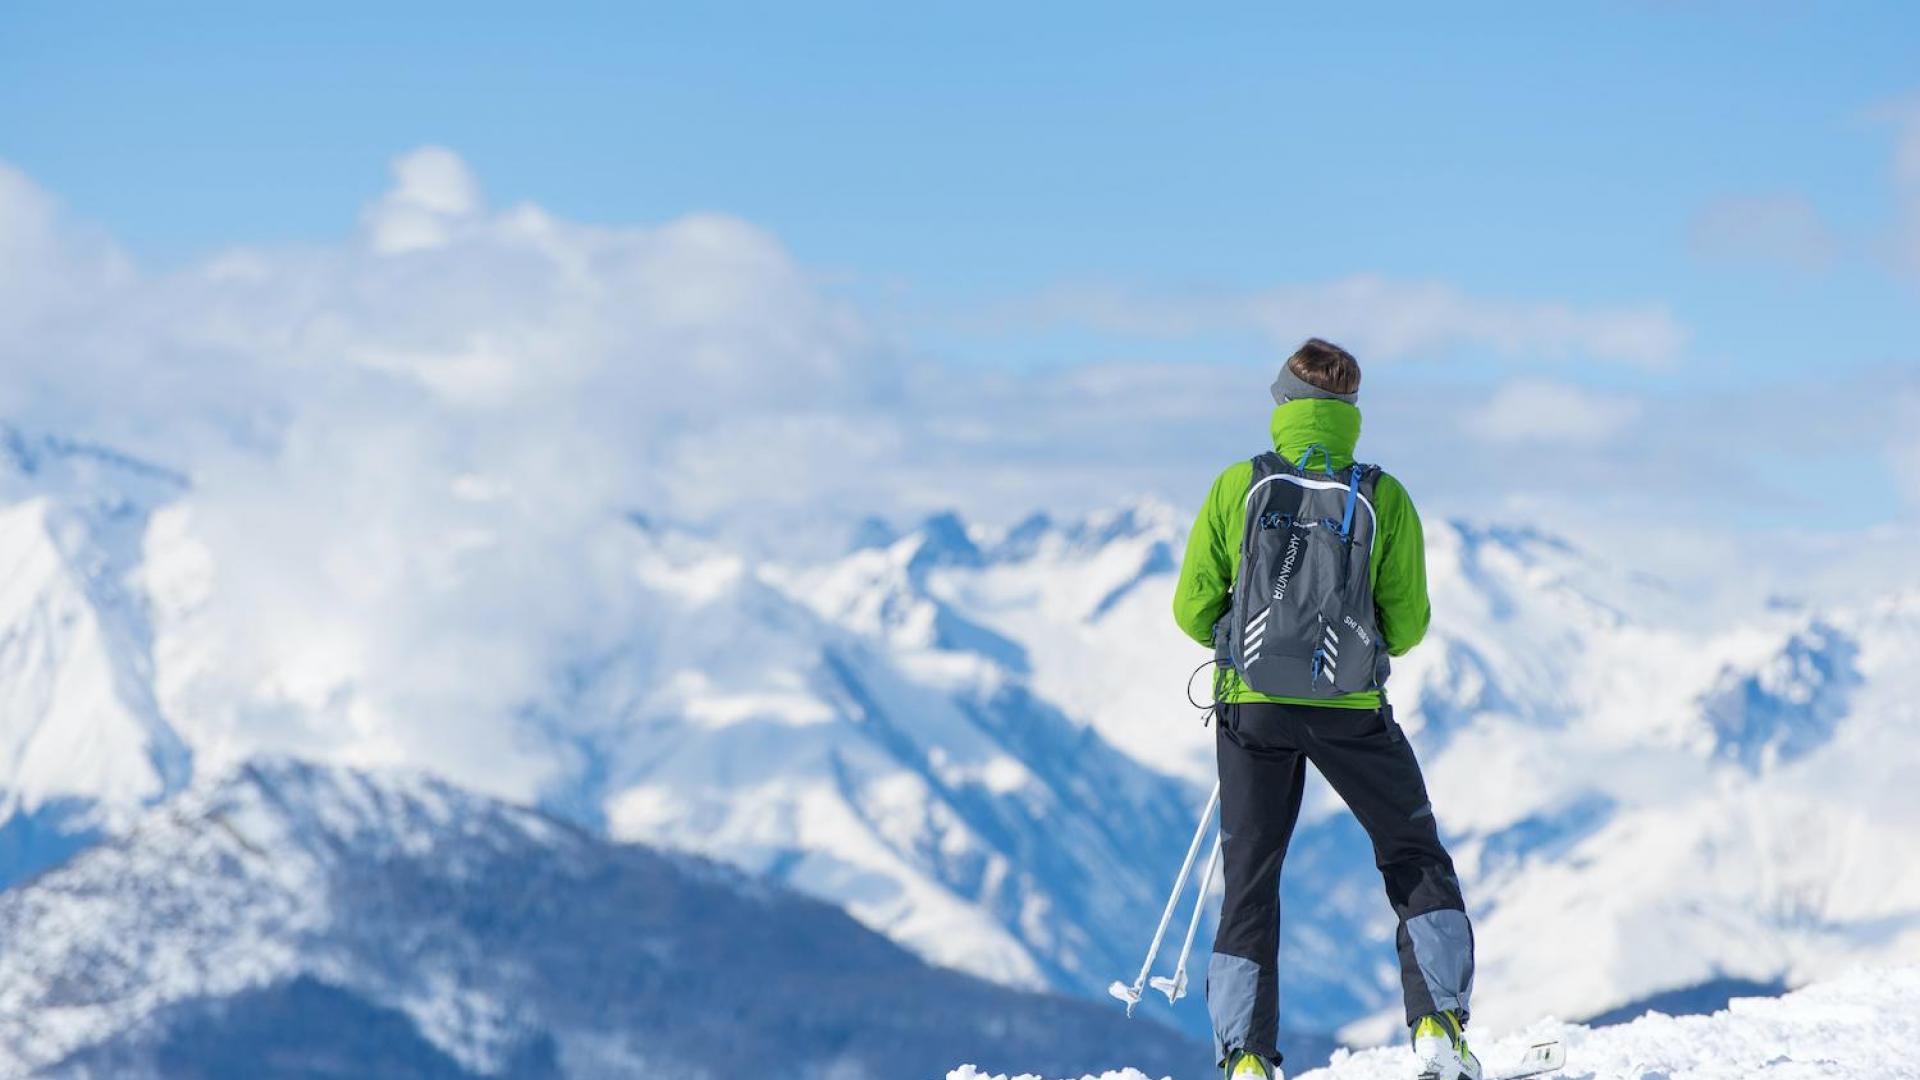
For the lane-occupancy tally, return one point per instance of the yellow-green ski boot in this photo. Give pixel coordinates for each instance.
(1244, 1066)
(1440, 1044)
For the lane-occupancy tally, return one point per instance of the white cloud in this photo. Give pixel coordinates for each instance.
(339, 409)
(1381, 318)
(1781, 230)
(1537, 411)
(48, 265)
(412, 448)
(433, 191)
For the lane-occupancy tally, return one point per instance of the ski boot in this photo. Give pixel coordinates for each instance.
(1244, 1066)
(1441, 1046)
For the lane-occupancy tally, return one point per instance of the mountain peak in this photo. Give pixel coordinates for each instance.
(83, 735)
(55, 464)
(944, 540)
(1512, 536)
(292, 801)
(1790, 705)
(1130, 520)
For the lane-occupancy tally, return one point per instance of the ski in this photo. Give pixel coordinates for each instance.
(1540, 1059)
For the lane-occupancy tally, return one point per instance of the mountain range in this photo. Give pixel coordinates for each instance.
(976, 742)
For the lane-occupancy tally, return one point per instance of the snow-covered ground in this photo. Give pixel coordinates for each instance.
(1860, 1026)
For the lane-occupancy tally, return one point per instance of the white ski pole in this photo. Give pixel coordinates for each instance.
(1176, 987)
(1131, 994)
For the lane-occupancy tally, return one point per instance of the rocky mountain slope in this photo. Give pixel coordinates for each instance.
(294, 920)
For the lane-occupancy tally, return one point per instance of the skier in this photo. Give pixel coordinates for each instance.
(1303, 647)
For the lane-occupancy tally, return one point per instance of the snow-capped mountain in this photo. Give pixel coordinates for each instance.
(897, 762)
(933, 794)
(83, 745)
(1078, 607)
(978, 741)
(1778, 846)
(1640, 800)
(297, 920)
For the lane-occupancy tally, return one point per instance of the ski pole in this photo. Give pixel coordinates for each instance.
(1131, 994)
(1176, 987)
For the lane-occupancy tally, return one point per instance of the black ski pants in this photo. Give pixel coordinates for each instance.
(1263, 752)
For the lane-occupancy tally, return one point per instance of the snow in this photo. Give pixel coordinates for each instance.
(1864, 1025)
(82, 729)
(968, 1072)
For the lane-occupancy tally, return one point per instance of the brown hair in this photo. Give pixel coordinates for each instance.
(1327, 366)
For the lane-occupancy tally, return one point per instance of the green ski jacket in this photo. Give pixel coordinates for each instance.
(1398, 567)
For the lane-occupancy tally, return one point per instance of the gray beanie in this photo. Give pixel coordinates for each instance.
(1289, 386)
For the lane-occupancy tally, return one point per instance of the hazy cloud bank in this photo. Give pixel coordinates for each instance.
(413, 450)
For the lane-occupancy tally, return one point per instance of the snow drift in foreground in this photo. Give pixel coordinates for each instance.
(1863, 1026)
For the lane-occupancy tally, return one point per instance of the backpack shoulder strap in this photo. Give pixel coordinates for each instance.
(1361, 478)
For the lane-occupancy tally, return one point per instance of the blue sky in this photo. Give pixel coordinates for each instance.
(1028, 189)
(983, 151)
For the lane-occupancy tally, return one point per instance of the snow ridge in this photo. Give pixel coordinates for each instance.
(1862, 1026)
(848, 734)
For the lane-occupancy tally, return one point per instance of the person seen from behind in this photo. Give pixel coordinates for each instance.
(1306, 573)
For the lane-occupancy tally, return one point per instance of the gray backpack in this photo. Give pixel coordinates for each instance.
(1302, 622)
